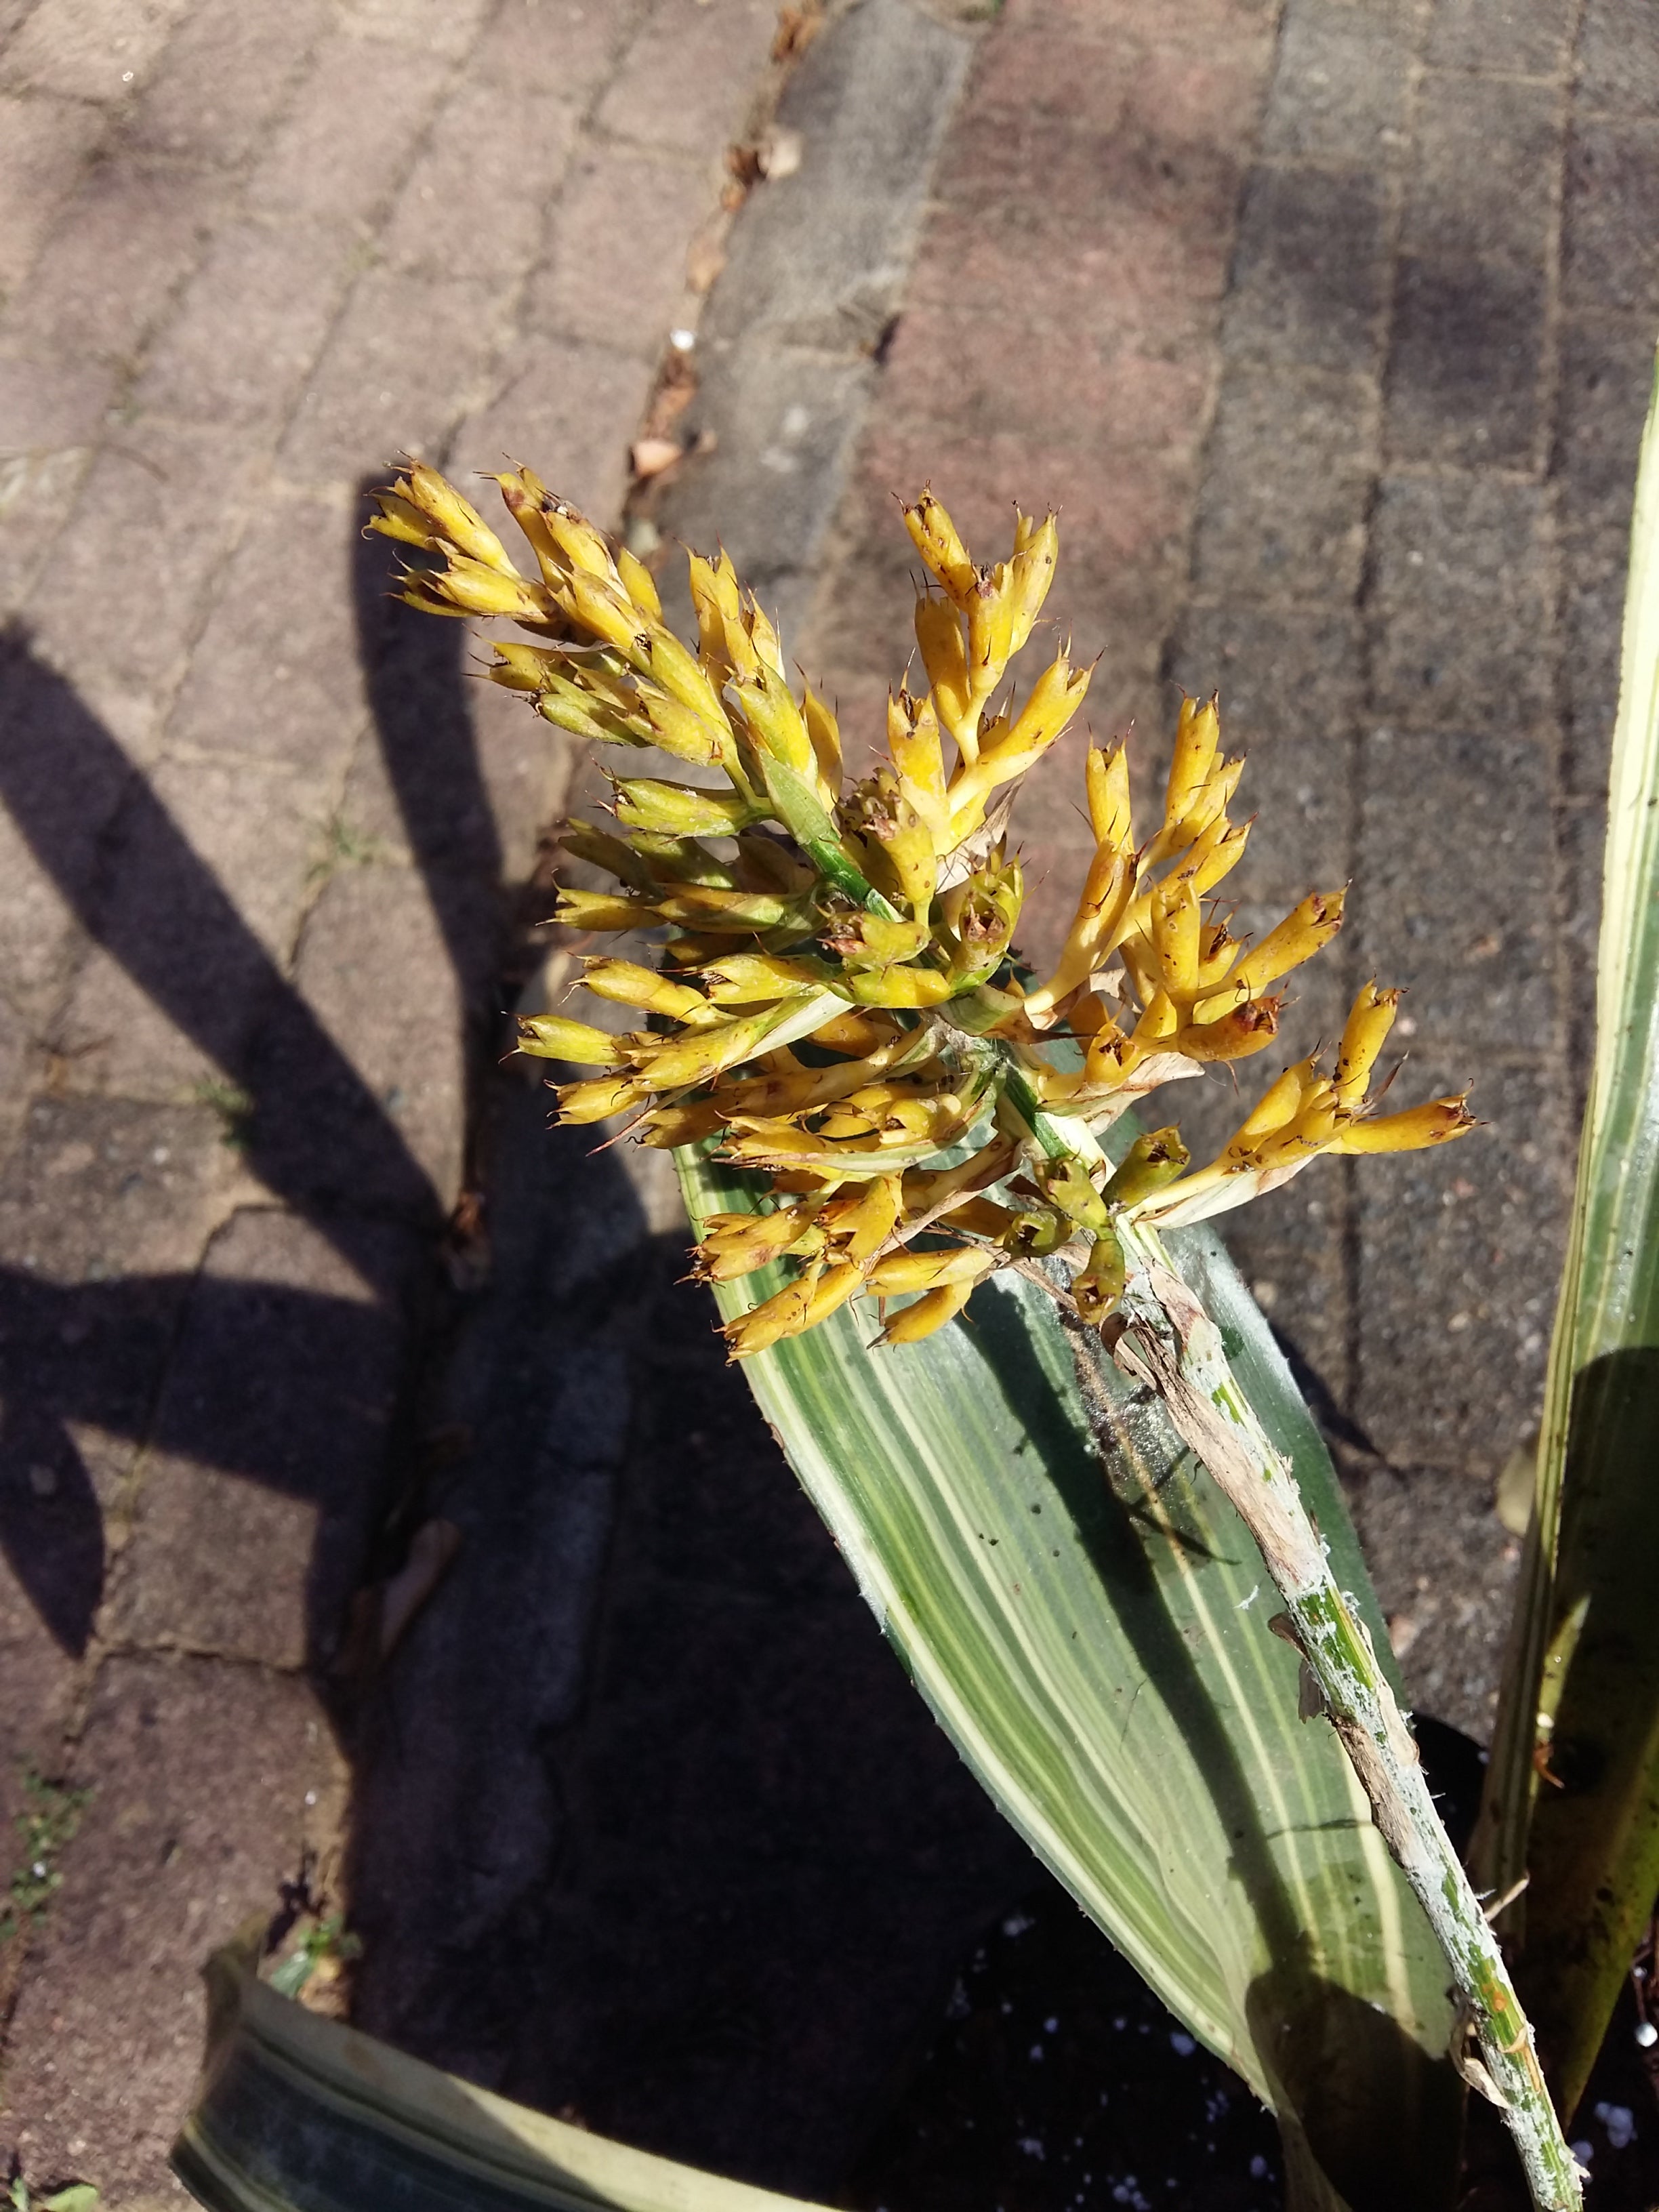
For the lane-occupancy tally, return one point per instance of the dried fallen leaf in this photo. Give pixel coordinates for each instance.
(651, 456)
(797, 28)
(705, 261)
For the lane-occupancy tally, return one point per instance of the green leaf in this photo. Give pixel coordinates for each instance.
(1582, 1680)
(297, 2114)
(1093, 1635)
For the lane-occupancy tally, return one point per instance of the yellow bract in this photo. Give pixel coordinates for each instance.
(842, 1004)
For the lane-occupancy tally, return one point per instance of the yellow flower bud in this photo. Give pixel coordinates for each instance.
(1177, 920)
(682, 810)
(735, 1244)
(1364, 1036)
(990, 631)
(1098, 1284)
(1036, 550)
(1154, 1159)
(1409, 1131)
(934, 536)
(824, 734)
(549, 1036)
(579, 910)
(598, 1100)
(1298, 937)
(783, 1314)
(1198, 732)
(1108, 774)
(902, 1273)
(455, 517)
(927, 1314)
(1232, 1035)
(639, 584)
(945, 656)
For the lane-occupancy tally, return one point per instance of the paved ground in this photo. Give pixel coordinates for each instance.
(1328, 326)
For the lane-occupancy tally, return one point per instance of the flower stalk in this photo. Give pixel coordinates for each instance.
(840, 1009)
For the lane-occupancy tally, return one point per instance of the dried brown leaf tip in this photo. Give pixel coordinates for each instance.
(839, 1007)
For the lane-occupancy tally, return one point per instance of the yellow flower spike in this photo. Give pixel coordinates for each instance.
(1177, 924)
(627, 984)
(596, 1101)
(783, 1314)
(1302, 934)
(678, 729)
(927, 1316)
(1098, 1284)
(945, 656)
(1364, 1036)
(1107, 780)
(1235, 1035)
(823, 733)
(1409, 1131)
(549, 1036)
(579, 910)
(717, 599)
(1036, 551)
(1198, 732)
(524, 668)
(707, 1051)
(990, 632)
(640, 584)
(903, 1273)
(935, 538)
(455, 517)
(739, 977)
(1214, 796)
(739, 914)
(764, 639)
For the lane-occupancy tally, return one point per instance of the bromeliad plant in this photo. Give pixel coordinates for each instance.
(869, 1097)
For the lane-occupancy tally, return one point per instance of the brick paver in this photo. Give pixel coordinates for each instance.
(255, 831)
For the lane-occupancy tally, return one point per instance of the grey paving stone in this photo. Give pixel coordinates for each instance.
(251, 323)
(1466, 363)
(1339, 91)
(1297, 790)
(129, 234)
(374, 394)
(570, 410)
(1610, 223)
(686, 81)
(1454, 886)
(172, 488)
(41, 1679)
(1606, 377)
(376, 966)
(616, 274)
(275, 675)
(1459, 1256)
(1461, 608)
(1289, 680)
(1530, 37)
(268, 1459)
(90, 50)
(200, 1775)
(1619, 57)
(1288, 476)
(45, 144)
(1310, 276)
(1483, 181)
(350, 131)
(445, 28)
(474, 203)
(228, 70)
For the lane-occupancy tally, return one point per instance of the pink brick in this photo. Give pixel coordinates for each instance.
(51, 399)
(617, 268)
(474, 203)
(125, 240)
(351, 130)
(44, 146)
(249, 326)
(571, 412)
(689, 76)
(94, 50)
(405, 359)
(227, 71)
(564, 48)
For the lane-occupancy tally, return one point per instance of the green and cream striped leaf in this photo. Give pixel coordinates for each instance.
(1089, 1621)
(300, 2114)
(1582, 1684)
